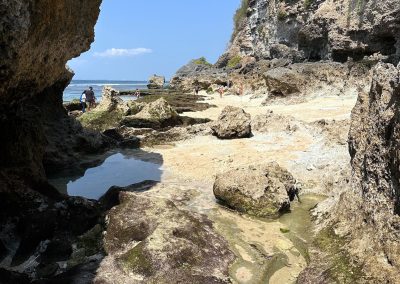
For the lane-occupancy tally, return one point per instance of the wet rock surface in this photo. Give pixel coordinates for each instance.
(232, 123)
(264, 191)
(160, 243)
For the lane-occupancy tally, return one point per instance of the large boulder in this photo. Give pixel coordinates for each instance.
(264, 191)
(111, 101)
(108, 113)
(156, 82)
(150, 240)
(232, 123)
(157, 114)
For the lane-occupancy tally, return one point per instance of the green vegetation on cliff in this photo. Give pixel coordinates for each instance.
(239, 16)
(307, 3)
(202, 61)
(234, 61)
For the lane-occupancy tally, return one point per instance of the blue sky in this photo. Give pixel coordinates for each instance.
(135, 39)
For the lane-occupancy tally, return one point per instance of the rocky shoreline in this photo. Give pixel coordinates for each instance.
(301, 151)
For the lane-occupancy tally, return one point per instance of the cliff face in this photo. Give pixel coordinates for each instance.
(37, 38)
(373, 207)
(317, 30)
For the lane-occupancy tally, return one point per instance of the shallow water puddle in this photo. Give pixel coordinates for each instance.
(119, 169)
(268, 251)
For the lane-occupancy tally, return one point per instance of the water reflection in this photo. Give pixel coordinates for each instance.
(121, 169)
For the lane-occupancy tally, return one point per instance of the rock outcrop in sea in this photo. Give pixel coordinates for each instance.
(156, 82)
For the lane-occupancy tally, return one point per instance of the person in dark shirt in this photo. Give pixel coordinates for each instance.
(90, 98)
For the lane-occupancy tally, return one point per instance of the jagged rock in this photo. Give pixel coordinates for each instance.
(155, 115)
(110, 101)
(264, 191)
(194, 75)
(232, 123)
(150, 240)
(316, 30)
(156, 82)
(111, 197)
(108, 113)
(315, 79)
(37, 39)
(371, 223)
(271, 122)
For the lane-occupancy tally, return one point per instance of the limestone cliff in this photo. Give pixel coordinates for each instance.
(372, 221)
(316, 30)
(37, 38)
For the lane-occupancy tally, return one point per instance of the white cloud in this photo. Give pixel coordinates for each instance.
(122, 52)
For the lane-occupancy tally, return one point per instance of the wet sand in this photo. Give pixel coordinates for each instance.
(267, 250)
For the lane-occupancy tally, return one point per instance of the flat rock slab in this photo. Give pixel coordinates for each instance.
(150, 240)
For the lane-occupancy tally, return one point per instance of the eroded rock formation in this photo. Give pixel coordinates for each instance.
(37, 39)
(372, 222)
(316, 30)
(232, 123)
(264, 191)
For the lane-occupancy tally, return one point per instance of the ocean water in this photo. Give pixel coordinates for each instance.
(75, 89)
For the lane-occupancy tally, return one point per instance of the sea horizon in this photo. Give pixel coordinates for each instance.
(77, 86)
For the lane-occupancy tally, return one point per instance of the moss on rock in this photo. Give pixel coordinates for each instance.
(101, 120)
(136, 260)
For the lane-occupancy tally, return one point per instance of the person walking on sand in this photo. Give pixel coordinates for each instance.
(83, 102)
(221, 91)
(90, 98)
(196, 90)
(241, 89)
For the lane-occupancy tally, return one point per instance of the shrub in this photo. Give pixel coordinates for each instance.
(234, 61)
(202, 61)
(282, 14)
(307, 3)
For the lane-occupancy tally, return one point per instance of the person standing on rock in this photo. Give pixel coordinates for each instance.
(90, 98)
(137, 93)
(83, 102)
